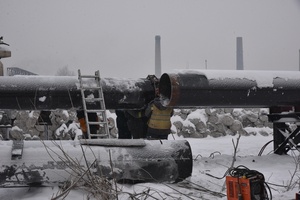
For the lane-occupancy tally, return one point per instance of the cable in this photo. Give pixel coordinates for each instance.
(263, 148)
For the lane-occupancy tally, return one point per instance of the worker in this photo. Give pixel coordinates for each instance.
(137, 123)
(93, 117)
(123, 131)
(159, 124)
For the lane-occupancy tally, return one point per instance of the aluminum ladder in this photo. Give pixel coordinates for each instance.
(88, 91)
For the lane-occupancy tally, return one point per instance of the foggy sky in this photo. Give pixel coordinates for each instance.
(117, 36)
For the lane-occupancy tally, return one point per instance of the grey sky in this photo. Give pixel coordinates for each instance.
(117, 36)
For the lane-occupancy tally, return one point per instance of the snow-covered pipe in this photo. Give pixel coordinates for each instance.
(62, 92)
(227, 88)
(51, 162)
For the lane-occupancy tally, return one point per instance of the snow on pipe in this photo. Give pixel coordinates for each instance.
(43, 163)
(61, 92)
(226, 88)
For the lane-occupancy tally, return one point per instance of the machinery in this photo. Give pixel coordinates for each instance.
(245, 184)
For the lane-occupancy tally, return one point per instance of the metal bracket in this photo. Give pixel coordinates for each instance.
(17, 149)
(283, 147)
(283, 142)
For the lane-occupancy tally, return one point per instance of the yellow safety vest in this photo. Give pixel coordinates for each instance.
(160, 119)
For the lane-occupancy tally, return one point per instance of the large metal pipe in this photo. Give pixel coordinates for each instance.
(53, 162)
(62, 92)
(225, 88)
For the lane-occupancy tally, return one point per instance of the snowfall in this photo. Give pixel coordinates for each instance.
(211, 159)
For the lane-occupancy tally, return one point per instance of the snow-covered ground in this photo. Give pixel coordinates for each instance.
(212, 157)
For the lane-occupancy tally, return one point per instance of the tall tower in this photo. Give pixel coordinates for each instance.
(239, 54)
(157, 57)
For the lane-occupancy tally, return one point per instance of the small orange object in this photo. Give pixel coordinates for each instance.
(240, 188)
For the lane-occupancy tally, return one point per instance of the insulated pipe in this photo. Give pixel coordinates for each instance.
(62, 92)
(53, 162)
(235, 89)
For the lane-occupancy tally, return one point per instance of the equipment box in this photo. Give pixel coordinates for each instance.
(245, 188)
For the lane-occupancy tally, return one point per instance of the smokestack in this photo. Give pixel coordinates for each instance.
(157, 57)
(239, 54)
(1, 69)
(4, 53)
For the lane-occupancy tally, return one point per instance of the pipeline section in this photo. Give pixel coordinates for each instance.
(51, 162)
(63, 92)
(207, 88)
(235, 89)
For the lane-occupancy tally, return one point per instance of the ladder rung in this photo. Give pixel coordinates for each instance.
(91, 88)
(89, 76)
(93, 99)
(91, 111)
(100, 135)
(96, 123)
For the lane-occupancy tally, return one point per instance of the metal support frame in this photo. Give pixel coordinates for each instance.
(285, 138)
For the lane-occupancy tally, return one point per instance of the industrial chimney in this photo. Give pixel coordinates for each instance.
(239, 54)
(4, 53)
(157, 57)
